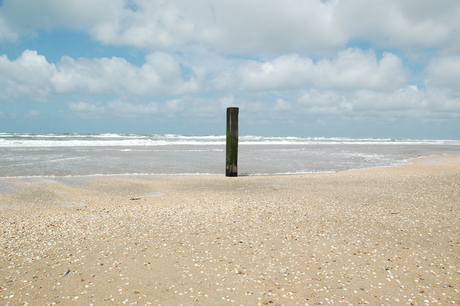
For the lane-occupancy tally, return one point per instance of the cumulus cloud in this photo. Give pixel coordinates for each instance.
(402, 24)
(278, 26)
(353, 81)
(243, 26)
(285, 72)
(406, 102)
(281, 57)
(444, 72)
(282, 26)
(350, 69)
(33, 76)
(357, 69)
(404, 99)
(445, 103)
(87, 110)
(26, 16)
(322, 102)
(281, 105)
(230, 26)
(161, 74)
(174, 106)
(29, 75)
(148, 24)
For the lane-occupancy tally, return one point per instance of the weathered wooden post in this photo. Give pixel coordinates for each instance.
(232, 141)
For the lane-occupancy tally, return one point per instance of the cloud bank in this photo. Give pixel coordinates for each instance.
(342, 59)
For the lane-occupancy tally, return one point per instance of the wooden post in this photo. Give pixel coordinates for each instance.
(232, 141)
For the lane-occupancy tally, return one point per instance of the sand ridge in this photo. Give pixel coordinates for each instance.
(387, 236)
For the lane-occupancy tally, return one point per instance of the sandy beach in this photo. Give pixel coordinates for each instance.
(387, 236)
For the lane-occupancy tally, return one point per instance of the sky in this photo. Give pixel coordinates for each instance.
(320, 68)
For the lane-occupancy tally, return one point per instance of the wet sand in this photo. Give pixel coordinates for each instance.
(388, 236)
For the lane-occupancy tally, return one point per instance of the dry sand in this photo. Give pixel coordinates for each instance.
(387, 236)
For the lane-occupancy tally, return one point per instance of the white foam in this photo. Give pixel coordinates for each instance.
(19, 140)
(118, 154)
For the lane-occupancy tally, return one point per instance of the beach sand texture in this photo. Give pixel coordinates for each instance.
(388, 236)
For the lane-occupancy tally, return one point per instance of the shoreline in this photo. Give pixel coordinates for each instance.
(402, 163)
(366, 236)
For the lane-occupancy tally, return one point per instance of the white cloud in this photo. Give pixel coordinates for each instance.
(281, 26)
(126, 109)
(29, 75)
(350, 69)
(281, 105)
(225, 80)
(33, 113)
(118, 108)
(405, 102)
(352, 82)
(26, 16)
(87, 110)
(85, 107)
(6, 33)
(228, 101)
(231, 26)
(94, 76)
(442, 101)
(404, 99)
(444, 72)
(258, 26)
(285, 72)
(174, 106)
(356, 69)
(443, 89)
(281, 57)
(401, 24)
(322, 102)
(161, 74)
(244, 26)
(151, 24)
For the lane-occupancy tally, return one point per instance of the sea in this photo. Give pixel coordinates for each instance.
(59, 155)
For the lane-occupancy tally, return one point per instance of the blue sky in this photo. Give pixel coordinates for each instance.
(348, 68)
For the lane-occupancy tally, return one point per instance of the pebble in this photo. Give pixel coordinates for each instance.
(314, 240)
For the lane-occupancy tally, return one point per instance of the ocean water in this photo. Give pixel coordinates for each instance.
(50, 155)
